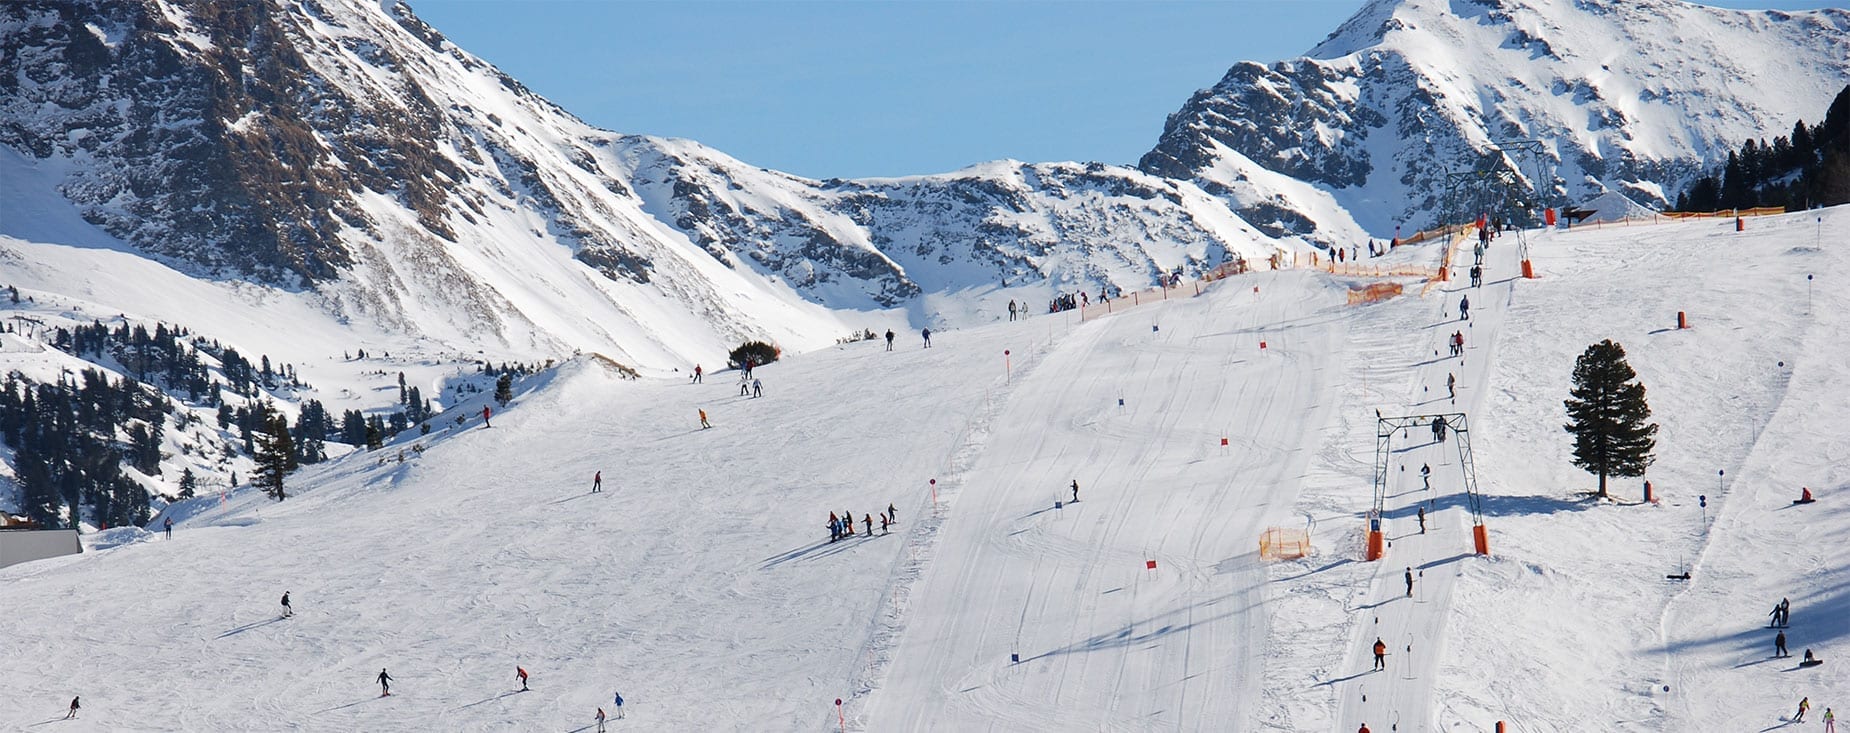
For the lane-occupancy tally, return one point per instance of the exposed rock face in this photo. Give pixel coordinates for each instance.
(347, 147)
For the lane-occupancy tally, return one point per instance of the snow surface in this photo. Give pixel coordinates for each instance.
(700, 583)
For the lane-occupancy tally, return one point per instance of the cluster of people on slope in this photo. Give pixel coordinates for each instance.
(841, 526)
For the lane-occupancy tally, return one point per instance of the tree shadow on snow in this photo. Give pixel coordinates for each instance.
(249, 626)
(1495, 505)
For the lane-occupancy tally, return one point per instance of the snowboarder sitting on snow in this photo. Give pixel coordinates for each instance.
(1804, 498)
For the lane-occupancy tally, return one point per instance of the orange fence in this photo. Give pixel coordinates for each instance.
(1186, 289)
(1373, 292)
(1730, 214)
(1282, 544)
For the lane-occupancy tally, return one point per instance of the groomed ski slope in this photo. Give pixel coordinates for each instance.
(701, 584)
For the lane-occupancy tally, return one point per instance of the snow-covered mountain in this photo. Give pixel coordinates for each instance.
(347, 148)
(1626, 95)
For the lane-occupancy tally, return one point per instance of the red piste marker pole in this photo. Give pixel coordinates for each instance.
(1008, 370)
(934, 492)
(839, 717)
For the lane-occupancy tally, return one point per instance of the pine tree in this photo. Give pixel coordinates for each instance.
(375, 433)
(275, 457)
(504, 389)
(1606, 414)
(189, 484)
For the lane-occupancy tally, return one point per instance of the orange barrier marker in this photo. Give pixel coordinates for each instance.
(1481, 536)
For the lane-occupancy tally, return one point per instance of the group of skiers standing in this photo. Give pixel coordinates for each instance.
(841, 526)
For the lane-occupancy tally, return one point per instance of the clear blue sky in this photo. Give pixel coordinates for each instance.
(854, 89)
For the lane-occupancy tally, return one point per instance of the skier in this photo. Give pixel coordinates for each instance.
(1804, 705)
(617, 699)
(1426, 470)
(74, 707)
(600, 720)
(892, 513)
(1477, 276)
(597, 482)
(1422, 520)
(927, 334)
(385, 683)
(703, 420)
(889, 347)
(287, 610)
(485, 413)
(757, 388)
(1363, 729)
(745, 385)
(883, 524)
(1464, 308)
(1451, 385)
(1380, 653)
(1830, 721)
(521, 672)
(1785, 612)
(1779, 645)
(847, 523)
(697, 373)
(868, 519)
(1075, 491)
(1011, 310)
(1409, 582)
(168, 525)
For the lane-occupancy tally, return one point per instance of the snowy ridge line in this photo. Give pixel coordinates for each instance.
(922, 542)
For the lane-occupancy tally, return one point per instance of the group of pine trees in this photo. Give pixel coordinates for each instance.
(1807, 169)
(67, 454)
